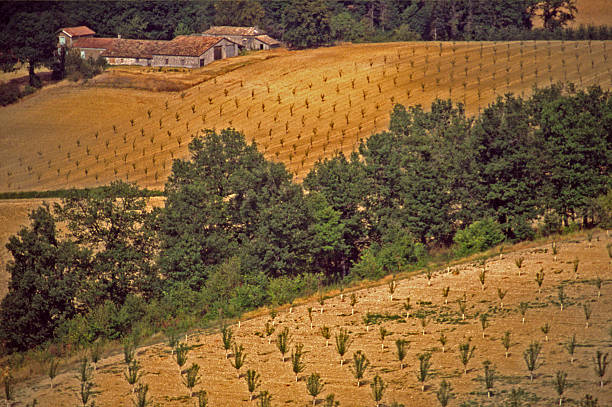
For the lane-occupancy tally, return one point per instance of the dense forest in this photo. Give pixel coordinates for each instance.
(236, 232)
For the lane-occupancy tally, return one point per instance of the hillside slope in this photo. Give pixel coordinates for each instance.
(299, 106)
(219, 379)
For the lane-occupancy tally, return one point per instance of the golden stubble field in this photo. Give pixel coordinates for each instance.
(224, 388)
(299, 106)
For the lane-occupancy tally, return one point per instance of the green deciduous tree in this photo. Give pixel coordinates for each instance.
(115, 224)
(44, 285)
(242, 13)
(30, 37)
(306, 23)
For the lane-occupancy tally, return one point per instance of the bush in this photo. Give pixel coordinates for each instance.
(603, 210)
(9, 93)
(399, 252)
(521, 229)
(405, 33)
(477, 237)
(283, 290)
(550, 225)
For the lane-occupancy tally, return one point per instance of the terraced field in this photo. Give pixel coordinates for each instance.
(298, 106)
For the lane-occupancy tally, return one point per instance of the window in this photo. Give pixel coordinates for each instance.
(166, 61)
(82, 54)
(62, 40)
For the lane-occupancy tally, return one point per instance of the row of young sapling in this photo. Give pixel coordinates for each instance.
(343, 341)
(466, 350)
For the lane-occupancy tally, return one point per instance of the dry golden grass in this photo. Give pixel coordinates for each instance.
(298, 106)
(219, 378)
(593, 12)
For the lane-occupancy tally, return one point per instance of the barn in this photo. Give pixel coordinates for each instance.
(189, 51)
(250, 38)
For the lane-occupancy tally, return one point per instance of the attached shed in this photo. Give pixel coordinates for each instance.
(133, 52)
(66, 36)
(93, 47)
(266, 42)
(251, 38)
(188, 51)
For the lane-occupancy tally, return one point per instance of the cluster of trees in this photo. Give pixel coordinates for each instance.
(236, 232)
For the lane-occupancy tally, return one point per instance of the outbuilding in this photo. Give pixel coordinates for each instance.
(93, 47)
(133, 52)
(68, 35)
(250, 38)
(192, 51)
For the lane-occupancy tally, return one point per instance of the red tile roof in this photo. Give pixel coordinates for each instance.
(96, 43)
(230, 30)
(187, 45)
(124, 48)
(78, 31)
(267, 40)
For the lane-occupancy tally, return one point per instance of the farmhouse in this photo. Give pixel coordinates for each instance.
(183, 51)
(251, 38)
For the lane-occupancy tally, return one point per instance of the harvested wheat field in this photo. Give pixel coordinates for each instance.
(429, 317)
(299, 106)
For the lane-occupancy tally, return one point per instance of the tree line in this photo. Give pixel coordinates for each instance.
(236, 232)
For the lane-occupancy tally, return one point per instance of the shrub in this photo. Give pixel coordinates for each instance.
(9, 93)
(477, 237)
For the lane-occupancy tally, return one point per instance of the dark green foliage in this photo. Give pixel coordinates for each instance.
(306, 23)
(239, 12)
(506, 159)
(478, 237)
(378, 389)
(117, 231)
(297, 361)
(444, 393)
(253, 382)
(30, 38)
(282, 341)
(315, 386)
(191, 378)
(531, 355)
(360, 365)
(141, 396)
(424, 366)
(575, 134)
(45, 278)
(228, 200)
